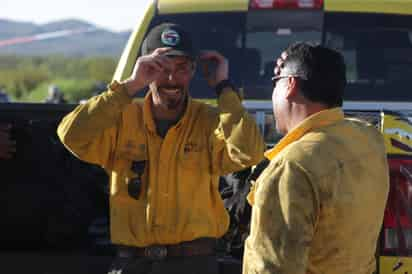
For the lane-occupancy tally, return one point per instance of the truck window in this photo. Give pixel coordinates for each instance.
(272, 31)
(378, 53)
(251, 41)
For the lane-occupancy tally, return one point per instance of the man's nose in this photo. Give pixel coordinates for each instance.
(171, 77)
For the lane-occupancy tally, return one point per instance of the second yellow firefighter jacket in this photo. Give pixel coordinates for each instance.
(179, 200)
(318, 207)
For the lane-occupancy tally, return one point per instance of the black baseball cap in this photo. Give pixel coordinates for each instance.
(169, 35)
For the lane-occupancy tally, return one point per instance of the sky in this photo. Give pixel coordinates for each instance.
(115, 15)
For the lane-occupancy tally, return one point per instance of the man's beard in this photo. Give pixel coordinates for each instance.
(172, 104)
(169, 100)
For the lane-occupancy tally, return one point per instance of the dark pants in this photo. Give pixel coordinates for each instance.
(170, 265)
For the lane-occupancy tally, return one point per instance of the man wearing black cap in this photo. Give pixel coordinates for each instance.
(165, 156)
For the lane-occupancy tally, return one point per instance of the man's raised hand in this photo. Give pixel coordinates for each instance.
(222, 67)
(147, 69)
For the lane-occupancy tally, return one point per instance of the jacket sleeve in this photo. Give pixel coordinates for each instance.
(284, 217)
(236, 141)
(89, 131)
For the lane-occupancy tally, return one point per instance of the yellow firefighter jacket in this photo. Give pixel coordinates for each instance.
(318, 206)
(179, 200)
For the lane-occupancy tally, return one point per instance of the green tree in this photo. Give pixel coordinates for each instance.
(26, 78)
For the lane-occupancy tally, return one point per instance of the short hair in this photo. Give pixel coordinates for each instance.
(321, 71)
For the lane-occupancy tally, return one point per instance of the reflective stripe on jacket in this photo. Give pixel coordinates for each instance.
(318, 206)
(179, 200)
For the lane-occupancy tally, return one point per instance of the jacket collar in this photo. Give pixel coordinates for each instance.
(317, 120)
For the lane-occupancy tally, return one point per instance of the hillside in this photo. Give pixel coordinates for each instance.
(88, 40)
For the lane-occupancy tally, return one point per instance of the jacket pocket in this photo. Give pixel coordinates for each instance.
(193, 154)
(128, 218)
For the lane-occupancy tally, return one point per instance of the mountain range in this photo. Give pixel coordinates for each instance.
(66, 37)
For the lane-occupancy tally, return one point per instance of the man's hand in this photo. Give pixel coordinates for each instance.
(222, 67)
(7, 146)
(147, 69)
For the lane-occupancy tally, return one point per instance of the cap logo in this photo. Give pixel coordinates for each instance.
(170, 37)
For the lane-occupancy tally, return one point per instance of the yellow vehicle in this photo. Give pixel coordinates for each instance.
(375, 36)
(395, 247)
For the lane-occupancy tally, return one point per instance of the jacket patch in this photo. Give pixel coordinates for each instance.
(191, 147)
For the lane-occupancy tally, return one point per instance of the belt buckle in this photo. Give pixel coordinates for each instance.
(157, 252)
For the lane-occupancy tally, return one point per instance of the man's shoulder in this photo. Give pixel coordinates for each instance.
(205, 109)
(134, 110)
(322, 151)
(304, 148)
(369, 130)
(135, 105)
(309, 153)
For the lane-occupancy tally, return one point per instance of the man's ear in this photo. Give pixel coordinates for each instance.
(292, 87)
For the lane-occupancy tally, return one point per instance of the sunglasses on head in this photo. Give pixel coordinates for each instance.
(135, 184)
(276, 78)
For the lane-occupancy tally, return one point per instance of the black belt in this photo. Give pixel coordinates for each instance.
(198, 247)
